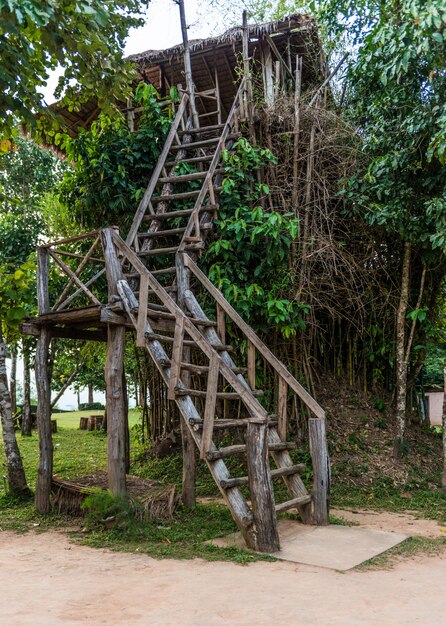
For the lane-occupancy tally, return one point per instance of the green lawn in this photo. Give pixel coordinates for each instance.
(71, 419)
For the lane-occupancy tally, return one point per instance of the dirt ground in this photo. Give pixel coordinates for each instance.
(48, 581)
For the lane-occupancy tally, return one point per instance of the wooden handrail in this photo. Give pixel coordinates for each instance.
(59, 242)
(145, 201)
(279, 367)
(207, 183)
(253, 406)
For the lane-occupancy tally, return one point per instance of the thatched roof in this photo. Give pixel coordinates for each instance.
(216, 56)
(295, 23)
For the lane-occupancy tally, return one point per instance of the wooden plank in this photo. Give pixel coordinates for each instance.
(209, 408)
(75, 278)
(261, 488)
(261, 347)
(282, 408)
(295, 503)
(142, 311)
(276, 473)
(177, 356)
(85, 314)
(251, 365)
(74, 255)
(321, 471)
(142, 207)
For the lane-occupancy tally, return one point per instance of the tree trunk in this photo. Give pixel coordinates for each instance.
(90, 394)
(401, 360)
(13, 381)
(443, 479)
(16, 473)
(26, 419)
(116, 417)
(45, 472)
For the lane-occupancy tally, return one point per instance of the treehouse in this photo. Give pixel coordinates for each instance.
(148, 283)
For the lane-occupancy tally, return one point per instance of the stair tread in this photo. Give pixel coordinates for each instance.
(202, 129)
(275, 473)
(162, 233)
(184, 178)
(222, 453)
(227, 395)
(170, 250)
(294, 502)
(194, 145)
(187, 342)
(200, 159)
(209, 208)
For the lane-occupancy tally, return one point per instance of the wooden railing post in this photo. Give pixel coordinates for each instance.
(114, 377)
(261, 487)
(282, 408)
(43, 298)
(43, 388)
(321, 470)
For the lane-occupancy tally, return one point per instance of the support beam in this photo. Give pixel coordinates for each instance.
(114, 376)
(321, 471)
(261, 487)
(43, 377)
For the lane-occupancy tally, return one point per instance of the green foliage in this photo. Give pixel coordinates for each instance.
(434, 365)
(102, 505)
(112, 165)
(16, 296)
(249, 259)
(83, 38)
(26, 174)
(396, 99)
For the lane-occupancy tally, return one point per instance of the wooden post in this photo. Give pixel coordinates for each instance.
(282, 408)
(45, 471)
(321, 470)
(251, 365)
(114, 376)
(261, 487)
(187, 65)
(187, 440)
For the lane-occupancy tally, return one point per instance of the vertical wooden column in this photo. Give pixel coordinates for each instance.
(114, 378)
(187, 441)
(43, 387)
(261, 487)
(321, 470)
(187, 65)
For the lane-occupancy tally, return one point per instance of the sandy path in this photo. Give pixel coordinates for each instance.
(47, 581)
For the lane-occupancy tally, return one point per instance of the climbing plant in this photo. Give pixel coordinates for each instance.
(249, 259)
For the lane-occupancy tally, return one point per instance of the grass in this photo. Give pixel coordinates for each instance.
(78, 453)
(415, 546)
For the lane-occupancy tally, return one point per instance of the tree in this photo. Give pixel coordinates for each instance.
(395, 98)
(85, 39)
(15, 293)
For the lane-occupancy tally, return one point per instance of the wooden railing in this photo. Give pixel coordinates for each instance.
(255, 344)
(64, 253)
(219, 362)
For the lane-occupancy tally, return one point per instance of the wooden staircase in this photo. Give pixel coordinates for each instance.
(153, 278)
(172, 222)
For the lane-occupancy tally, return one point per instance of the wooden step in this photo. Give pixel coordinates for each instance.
(202, 129)
(204, 143)
(187, 342)
(171, 250)
(184, 178)
(165, 315)
(292, 504)
(222, 453)
(224, 423)
(162, 233)
(275, 473)
(176, 196)
(221, 395)
(165, 270)
(201, 370)
(200, 159)
(208, 208)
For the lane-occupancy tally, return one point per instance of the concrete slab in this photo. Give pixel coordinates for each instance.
(333, 547)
